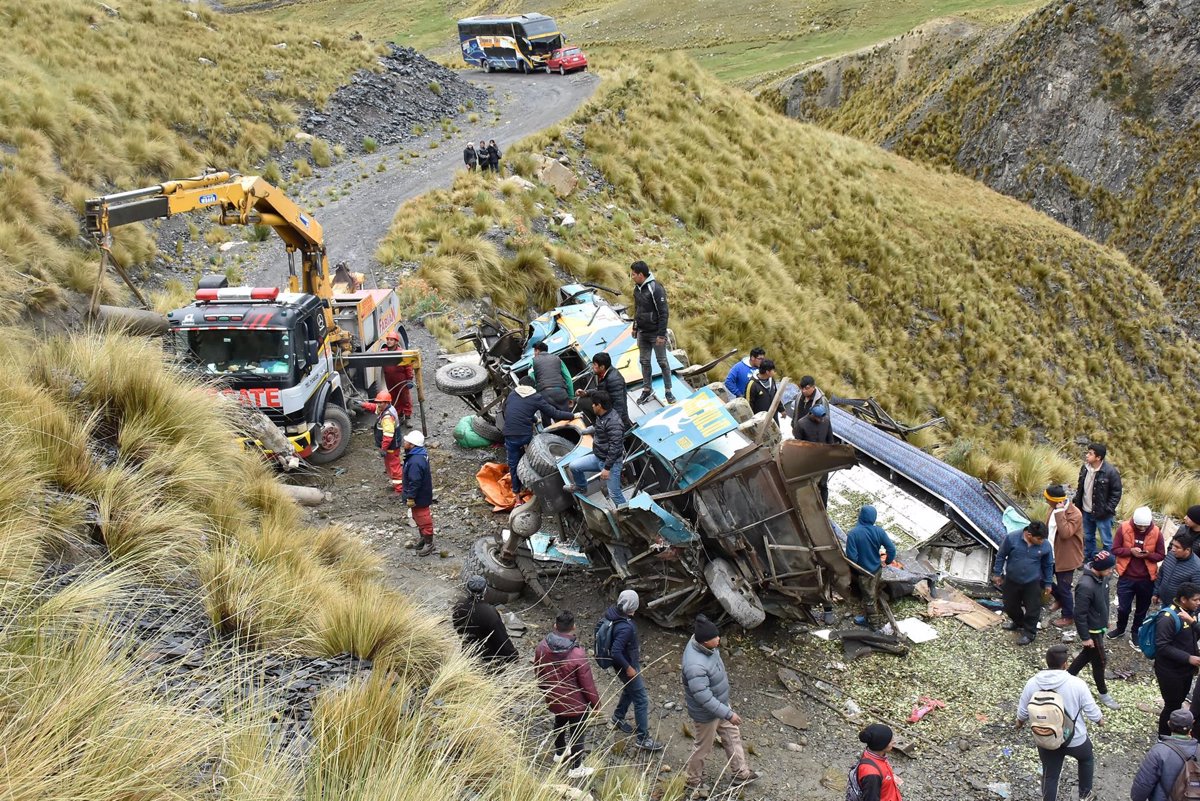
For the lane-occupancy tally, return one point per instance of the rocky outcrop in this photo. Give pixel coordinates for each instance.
(1087, 110)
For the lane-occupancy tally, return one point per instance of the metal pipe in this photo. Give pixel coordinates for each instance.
(130, 321)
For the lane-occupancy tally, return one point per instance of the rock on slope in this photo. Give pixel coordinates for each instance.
(1087, 110)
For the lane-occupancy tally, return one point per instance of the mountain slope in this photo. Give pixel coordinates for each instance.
(1088, 110)
(877, 275)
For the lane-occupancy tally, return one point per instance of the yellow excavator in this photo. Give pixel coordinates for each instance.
(302, 356)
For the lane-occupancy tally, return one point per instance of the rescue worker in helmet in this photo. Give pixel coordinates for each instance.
(388, 437)
(398, 378)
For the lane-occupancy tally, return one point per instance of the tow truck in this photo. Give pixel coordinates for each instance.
(302, 356)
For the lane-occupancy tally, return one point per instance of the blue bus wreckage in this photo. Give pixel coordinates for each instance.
(724, 512)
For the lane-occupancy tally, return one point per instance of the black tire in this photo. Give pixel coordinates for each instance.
(526, 474)
(461, 379)
(487, 66)
(736, 597)
(525, 520)
(485, 429)
(481, 561)
(333, 436)
(544, 451)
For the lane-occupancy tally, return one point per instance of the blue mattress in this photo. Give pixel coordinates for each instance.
(966, 501)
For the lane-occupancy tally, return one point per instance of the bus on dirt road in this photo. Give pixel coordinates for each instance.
(522, 42)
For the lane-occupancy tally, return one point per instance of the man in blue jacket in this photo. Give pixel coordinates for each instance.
(741, 373)
(1024, 571)
(418, 489)
(862, 548)
(520, 408)
(626, 659)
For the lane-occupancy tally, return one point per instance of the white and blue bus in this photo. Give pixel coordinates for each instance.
(522, 42)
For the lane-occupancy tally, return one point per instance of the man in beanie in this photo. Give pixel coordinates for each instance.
(1091, 621)
(862, 548)
(1079, 707)
(1180, 566)
(1024, 571)
(706, 690)
(480, 626)
(1064, 527)
(1097, 495)
(1138, 546)
(565, 679)
(1161, 766)
(815, 427)
(1191, 525)
(626, 659)
(874, 775)
(418, 490)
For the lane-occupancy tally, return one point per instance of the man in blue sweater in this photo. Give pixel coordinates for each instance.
(1024, 571)
(741, 373)
(862, 548)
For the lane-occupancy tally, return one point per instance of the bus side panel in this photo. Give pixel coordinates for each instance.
(472, 50)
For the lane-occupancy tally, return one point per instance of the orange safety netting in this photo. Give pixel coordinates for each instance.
(496, 485)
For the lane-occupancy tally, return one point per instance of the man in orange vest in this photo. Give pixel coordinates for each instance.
(388, 437)
(1138, 546)
(397, 378)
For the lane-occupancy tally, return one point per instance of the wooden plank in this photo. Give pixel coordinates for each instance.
(977, 616)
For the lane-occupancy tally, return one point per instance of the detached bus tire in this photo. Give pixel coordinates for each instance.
(734, 595)
(544, 451)
(504, 583)
(333, 436)
(460, 379)
(483, 428)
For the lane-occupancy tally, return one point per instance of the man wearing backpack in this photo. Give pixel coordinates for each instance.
(1024, 572)
(624, 656)
(1091, 621)
(1161, 768)
(1057, 706)
(1175, 659)
(872, 779)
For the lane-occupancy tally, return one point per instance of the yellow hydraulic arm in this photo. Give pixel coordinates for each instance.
(240, 200)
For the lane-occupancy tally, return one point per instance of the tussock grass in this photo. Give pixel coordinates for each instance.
(880, 277)
(96, 103)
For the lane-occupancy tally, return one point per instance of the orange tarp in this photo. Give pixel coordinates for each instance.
(496, 486)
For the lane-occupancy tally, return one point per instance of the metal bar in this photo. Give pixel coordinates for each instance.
(669, 596)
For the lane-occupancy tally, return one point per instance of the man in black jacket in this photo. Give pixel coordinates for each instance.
(1097, 495)
(1175, 658)
(815, 427)
(612, 382)
(470, 157)
(650, 317)
(760, 392)
(551, 378)
(1091, 621)
(608, 450)
(480, 626)
(522, 404)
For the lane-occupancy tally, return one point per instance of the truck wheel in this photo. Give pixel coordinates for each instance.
(734, 594)
(544, 451)
(485, 429)
(333, 436)
(525, 520)
(461, 379)
(504, 583)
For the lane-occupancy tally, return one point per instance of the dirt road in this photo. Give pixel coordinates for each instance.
(359, 216)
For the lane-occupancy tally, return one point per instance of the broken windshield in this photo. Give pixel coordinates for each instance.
(236, 351)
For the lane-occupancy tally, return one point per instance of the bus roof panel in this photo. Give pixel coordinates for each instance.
(503, 18)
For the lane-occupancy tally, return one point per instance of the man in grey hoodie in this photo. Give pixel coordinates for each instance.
(706, 690)
(1160, 768)
(1091, 621)
(1078, 707)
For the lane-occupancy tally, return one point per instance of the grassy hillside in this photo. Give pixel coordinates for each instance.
(123, 482)
(97, 99)
(1088, 112)
(735, 41)
(879, 276)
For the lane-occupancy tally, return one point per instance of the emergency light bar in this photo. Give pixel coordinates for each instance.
(239, 293)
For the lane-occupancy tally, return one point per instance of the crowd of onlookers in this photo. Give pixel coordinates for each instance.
(484, 157)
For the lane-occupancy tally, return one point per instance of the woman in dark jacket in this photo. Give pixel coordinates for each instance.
(565, 678)
(493, 156)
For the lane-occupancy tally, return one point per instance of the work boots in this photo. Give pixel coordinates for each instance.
(425, 548)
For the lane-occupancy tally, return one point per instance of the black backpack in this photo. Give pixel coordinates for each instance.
(602, 649)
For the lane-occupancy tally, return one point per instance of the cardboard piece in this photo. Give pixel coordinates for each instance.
(977, 618)
(790, 716)
(917, 630)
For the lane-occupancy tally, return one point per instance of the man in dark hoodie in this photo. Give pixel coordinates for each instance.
(1091, 621)
(1157, 774)
(1181, 566)
(608, 451)
(650, 321)
(706, 691)
(1191, 525)
(565, 679)
(862, 548)
(1175, 659)
(626, 659)
(480, 626)
(612, 382)
(520, 408)
(1097, 494)
(470, 157)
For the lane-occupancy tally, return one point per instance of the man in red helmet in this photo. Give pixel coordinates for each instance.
(398, 379)
(388, 437)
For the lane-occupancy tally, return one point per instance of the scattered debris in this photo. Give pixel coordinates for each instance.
(918, 631)
(950, 601)
(927, 705)
(790, 716)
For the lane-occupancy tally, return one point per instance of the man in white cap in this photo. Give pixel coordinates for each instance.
(626, 661)
(1139, 548)
(418, 490)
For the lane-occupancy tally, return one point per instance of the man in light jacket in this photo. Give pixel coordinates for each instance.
(706, 690)
(1157, 774)
(1065, 526)
(1077, 706)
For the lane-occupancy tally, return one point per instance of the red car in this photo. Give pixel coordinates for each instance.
(565, 59)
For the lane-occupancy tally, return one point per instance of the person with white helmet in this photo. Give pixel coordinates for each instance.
(418, 490)
(1138, 546)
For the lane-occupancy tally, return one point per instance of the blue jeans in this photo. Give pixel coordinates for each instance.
(590, 464)
(1090, 526)
(634, 692)
(515, 447)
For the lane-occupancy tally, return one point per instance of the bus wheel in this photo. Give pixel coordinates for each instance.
(487, 66)
(525, 67)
